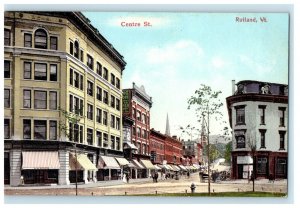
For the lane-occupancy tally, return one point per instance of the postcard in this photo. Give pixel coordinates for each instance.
(146, 104)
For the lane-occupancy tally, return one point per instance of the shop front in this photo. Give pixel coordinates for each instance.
(150, 169)
(108, 169)
(40, 167)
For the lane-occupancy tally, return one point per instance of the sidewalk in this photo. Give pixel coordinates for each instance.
(80, 185)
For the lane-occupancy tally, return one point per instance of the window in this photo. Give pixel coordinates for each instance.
(281, 116)
(81, 82)
(138, 115)
(27, 98)
(105, 73)
(133, 131)
(81, 134)
(112, 78)
(6, 98)
(81, 108)
(240, 138)
(6, 69)
(240, 115)
(40, 71)
(53, 100)
(90, 87)
(112, 101)
(40, 129)
(99, 93)
(138, 131)
(90, 62)
(117, 104)
(143, 118)
(76, 51)
(71, 48)
(112, 121)
(281, 167)
(71, 132)
(262, 165)
(71, 76)
(99, 138)
(40, 99)
(133, 112)
(105, 118)
(144, 149)
(53, 43)
(105, 97)
(117, 123)
(99, 69)
(262, 109)
(118, 83)
(118, 143)
(262, 138)
(53, 72)
(89, 136)
(105, 140)
(53, 130)
(281, 140)
(99, 115)
(40, 39)
(90, 111)
(112, 142)
(76, 79)
(6, 129)
(81, 55)
(26, 129)
(27, 70)
(76, 133)
(6, 37)
(28, 40)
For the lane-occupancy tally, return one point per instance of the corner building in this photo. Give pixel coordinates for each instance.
(53, 61)
(258, 116)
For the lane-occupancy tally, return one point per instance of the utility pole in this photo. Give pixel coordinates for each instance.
(208, 150)
(76, 187)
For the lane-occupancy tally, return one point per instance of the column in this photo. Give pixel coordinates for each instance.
(95, 171)
(85, 176)
(15, 167)
(63, 172)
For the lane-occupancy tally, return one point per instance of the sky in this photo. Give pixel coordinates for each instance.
(180, 51)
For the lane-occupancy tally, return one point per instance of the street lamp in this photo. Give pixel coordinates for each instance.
(208, 148)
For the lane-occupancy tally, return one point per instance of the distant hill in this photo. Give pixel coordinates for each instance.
(214, 139)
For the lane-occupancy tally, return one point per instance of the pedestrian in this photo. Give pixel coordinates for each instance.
(271, 178)
(156, 177)
(188, 174)
(127, 177)
(22, 180)
(201, 176)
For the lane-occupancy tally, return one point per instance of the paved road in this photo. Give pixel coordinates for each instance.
(146, 186)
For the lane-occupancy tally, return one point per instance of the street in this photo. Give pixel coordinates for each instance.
(148, 187)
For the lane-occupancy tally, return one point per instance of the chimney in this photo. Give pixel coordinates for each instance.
(233, 87)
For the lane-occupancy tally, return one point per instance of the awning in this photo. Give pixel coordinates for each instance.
(40, 160)
(170, 167)
(175, 167)
(122, 161)
(148, 164)
(106, 162)
(157, 167)
(137, 164)
(131, 165)
(196, 166)
(182, 168)
(130, 146)
(83, 161)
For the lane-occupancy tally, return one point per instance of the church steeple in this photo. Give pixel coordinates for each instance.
(168, 127)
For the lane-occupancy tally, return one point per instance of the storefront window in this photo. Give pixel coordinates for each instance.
(262, 165)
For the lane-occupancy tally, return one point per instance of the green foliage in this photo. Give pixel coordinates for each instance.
(227, 154)
(214, 152)
(70, 117)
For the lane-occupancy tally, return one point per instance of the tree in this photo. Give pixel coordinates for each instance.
(252, 146)
(227, 154)
(206, 103)
(214, 152)
(70, 119)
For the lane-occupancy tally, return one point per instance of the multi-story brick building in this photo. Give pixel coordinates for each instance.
(157, 146)
(173, 150)
(53, 61)
(258, 116)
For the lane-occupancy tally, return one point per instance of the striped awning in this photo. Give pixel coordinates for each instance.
(175, 167)
(137, 164)
(182, 167)
(131, 165)
(170, 167)
(157, 167)
(83, 161)
(106, 162)
(40, 160)
(122, 161)
(147, 164)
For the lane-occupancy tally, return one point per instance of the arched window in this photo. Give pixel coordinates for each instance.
(40, 39)
(76, 51)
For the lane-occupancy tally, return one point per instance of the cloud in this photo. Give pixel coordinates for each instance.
(218, 62)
